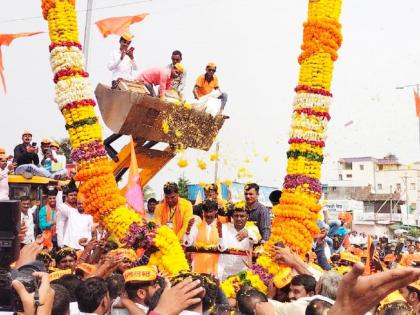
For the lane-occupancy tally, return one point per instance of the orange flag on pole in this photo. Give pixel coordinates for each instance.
(369, 257)
(5, 40)
(134, 193)
(417, 100)
(118, 25)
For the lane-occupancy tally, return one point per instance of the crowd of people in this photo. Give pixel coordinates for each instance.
(84, 271)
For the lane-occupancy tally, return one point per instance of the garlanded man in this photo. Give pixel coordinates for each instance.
(48, 219)
(203, 234)
(174, 211)
(237, 236)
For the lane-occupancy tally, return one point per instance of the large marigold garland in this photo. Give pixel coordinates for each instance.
(295, 218)
(74, 97)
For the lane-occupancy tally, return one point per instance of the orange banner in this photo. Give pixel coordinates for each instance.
(5, 40)
(118, 25)
(417, 100)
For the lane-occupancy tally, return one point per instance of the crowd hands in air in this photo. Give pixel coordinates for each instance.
(80, 269)
(167, 82)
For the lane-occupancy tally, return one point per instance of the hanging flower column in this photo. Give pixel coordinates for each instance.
(296, 215)
(295, 218)
(74, 96)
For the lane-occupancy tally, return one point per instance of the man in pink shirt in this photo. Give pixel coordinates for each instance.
(160, 77)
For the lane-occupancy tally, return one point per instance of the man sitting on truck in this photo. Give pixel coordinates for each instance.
(207, 83)
(161, 77)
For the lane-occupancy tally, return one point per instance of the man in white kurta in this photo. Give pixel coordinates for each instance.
(78, 225)
(121, 62)
(5, 167)
(236, 236)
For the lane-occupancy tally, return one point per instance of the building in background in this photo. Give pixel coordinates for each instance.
(389, 191)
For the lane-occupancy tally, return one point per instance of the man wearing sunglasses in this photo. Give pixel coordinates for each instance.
(207, 83)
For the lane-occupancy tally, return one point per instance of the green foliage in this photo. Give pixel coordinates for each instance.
(148, 193)
(183, 186)
(65, 148)
(414, 232)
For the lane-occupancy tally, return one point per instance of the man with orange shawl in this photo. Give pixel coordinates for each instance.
(47, 220)
(205, 234)
(174, 211)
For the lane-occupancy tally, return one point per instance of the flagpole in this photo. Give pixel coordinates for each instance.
(216, 164)
(86, 39)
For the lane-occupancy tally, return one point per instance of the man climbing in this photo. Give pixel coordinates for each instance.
(161, 77)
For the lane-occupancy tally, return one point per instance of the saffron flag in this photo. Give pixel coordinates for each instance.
(368, 262)
(5, 40)
(118, 25)
(199, 198)
(417, 100)
(373, 263)
(134, 193)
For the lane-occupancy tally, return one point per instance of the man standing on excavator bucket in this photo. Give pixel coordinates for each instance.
(122, 63)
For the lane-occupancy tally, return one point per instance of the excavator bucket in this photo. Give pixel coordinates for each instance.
(133, 112)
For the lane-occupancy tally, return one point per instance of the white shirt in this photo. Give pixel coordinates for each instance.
(232, 264)
(4, 183)
(60, 164)
(124, 69)
(124, 311)
(79, 225)
(28, 219)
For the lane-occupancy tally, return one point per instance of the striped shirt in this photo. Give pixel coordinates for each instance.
(261, 216)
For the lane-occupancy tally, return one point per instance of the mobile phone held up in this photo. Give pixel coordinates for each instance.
(34, 144)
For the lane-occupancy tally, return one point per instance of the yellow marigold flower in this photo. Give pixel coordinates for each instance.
(201, 164)
(165, 126)
(182, 163)
(214, 157)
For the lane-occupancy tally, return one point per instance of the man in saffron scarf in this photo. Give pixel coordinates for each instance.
(174, 211)
(205, 234)
(47, 220)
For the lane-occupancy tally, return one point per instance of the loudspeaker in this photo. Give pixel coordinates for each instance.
(9, 232)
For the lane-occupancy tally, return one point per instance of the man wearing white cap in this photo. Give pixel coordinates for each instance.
(121, 62)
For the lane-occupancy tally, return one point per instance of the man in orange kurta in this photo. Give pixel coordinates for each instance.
(408, 259)
(205, 234)
(174, 211)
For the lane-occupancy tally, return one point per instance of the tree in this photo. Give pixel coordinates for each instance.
(183, 186)
(65, 147)
(148, 193)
